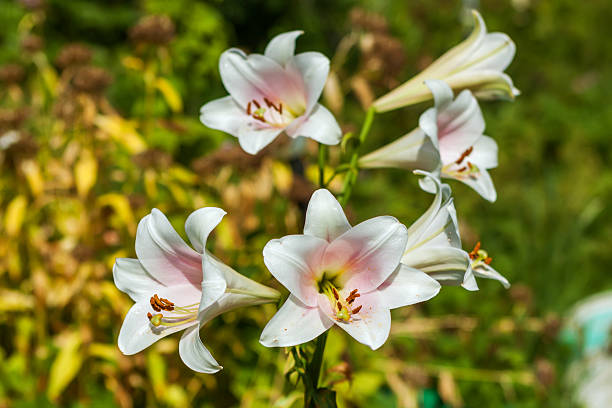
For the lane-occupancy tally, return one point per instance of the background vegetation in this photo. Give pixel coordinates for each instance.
(93, 136)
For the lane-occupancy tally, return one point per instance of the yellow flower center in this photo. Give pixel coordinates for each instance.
(343, 308)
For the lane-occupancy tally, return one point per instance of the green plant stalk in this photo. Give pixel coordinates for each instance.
(351, 177)
(321, 163)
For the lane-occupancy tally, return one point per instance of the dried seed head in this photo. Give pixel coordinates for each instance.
(155, 30)
(32, 43)
(92, 80)
(11, 73)
(368, 21)
(73, 55)
(12, 118)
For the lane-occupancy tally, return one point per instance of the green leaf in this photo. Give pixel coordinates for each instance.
(65, 366)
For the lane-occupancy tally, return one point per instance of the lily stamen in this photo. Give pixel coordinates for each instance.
(479, 256)
(464, 155)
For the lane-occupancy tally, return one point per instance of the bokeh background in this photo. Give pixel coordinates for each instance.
(99, 123)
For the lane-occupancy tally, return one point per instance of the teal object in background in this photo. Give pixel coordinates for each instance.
(589, 325)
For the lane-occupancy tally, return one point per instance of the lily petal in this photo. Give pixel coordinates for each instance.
(282, 47)
(325, 217)
(253, 138)
(487, 272)
(194, 354)
(314, 69)
(407, 286)
(438, 225)
(460, 125)
(447, 265)
(412, 151)
(368, 253)
(373, 323)
(294, 323)
(164, 254)
(224, 114)
(495, 52)
(293, 260)
(321, 126)
(254, 76)
(484, 84)
(481, 182)
(484, 154)
(131, 278)
(137, 333)
(200, 224)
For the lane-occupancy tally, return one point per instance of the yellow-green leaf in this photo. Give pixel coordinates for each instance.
(65, 366)
(85, 172)
(172, 97)
(15, 213)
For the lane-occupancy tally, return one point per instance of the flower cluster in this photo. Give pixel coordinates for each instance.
(336, 274)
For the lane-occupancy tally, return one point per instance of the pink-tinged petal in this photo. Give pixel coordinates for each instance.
(367, 253)
(460, 125)
(253, 138)
(293, 324)
(372, 324)
(484, 154)
(320, 125)
(407, 286)
(224, 114)
(164, 254)
(282, 47)
(487, 272)
(495, 52)
(294, 261)
(314, 69)
(325, 217)
(194, 354)
(131, 278)
(449, 266)
(481, 183)
(256, 76)
(200, 224)
(412, 151)
(137, 333)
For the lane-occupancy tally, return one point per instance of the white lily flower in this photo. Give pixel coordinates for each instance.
(434, 243)
(178, 288)
(343, 275)
(448, 142)
(272, 93)
(477, 63)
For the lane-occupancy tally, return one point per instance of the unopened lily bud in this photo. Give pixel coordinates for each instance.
(477, 64)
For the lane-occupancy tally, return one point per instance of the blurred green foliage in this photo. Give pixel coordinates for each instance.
(89, 165)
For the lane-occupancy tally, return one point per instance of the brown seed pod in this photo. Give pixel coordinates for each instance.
(73, 55)
(92, 80)
(155, 30)
(11, 73)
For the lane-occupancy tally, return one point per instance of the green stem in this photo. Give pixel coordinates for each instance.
(322, 161)
(313, 373)
(351, 177)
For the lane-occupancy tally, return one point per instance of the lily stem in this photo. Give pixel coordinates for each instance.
(351, 176)
(322, 162)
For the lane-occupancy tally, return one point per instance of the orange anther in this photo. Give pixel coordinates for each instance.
(357, 309)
